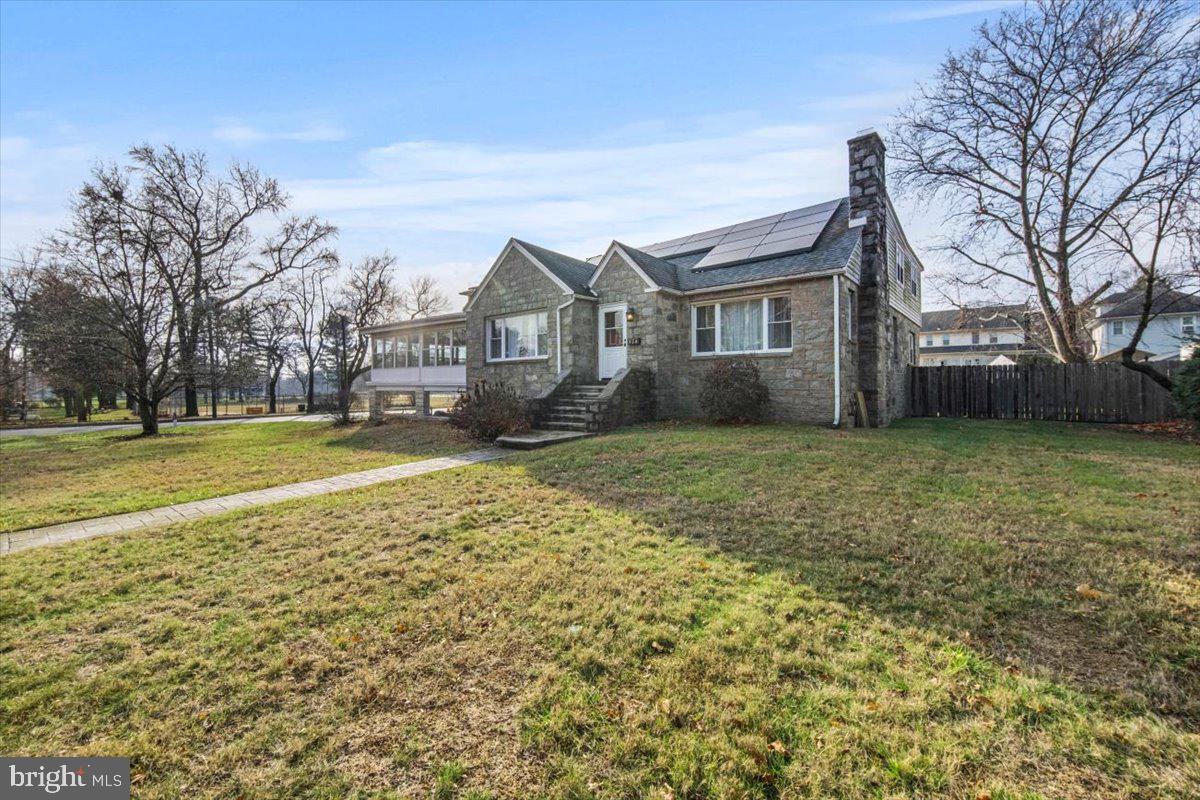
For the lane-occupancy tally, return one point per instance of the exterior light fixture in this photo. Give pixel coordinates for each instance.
(629, 315)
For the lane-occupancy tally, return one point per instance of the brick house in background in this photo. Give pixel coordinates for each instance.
(826, 299)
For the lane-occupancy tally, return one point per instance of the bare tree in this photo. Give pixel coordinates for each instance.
(17, 279)
(266, 324)
(1046, 133)
(421, 297)
(1150, 232)
(308, 292)
(210, 217)
(121, 256)
(367, 298)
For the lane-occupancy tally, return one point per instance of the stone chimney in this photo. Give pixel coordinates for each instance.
(868, 208)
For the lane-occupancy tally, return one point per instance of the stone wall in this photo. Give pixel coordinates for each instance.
(626, 400)
(800, 382)
(519, 286)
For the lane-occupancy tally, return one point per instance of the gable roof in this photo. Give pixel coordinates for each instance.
(571, 271)
(831, 250)
(563, 270)
(1167, 301)
(981, 317)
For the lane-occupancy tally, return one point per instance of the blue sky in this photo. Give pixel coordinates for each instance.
(438, 131)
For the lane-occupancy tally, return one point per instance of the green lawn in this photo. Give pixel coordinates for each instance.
(671, 612)
(51, 479)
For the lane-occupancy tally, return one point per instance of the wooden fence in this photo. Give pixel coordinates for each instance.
(1068, 392)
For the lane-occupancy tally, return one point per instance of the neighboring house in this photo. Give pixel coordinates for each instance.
(1170, 334)
(987, 335)
(826, 299)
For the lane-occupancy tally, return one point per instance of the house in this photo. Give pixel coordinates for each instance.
(1170, 334)
(985, 335)
(826, 299)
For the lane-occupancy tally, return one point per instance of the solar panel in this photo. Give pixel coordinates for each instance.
(757, 238)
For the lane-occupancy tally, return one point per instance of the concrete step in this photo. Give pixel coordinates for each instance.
(540, 437)
(556, 425)
(554, 417)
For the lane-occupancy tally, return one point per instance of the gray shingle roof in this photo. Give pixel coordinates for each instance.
(1167, 301)
(831, 251)
(983, 317)
(571, 271)
(660, 270)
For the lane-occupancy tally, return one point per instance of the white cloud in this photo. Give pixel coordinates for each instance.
(942, 10)
(239, 133)
(578, 198)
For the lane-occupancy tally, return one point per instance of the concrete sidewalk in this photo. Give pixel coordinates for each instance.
(118, 523)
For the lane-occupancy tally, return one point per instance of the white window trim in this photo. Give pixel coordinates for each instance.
(487, 338)
(717, 351)
(1117, 327)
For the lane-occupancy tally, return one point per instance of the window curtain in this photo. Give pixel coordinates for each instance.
(741, 326)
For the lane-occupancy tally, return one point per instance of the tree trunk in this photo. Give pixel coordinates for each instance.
(310, 391)
(68, 398)
(214, 402)
(191, 399)
(82, 407)
(272, 382)
(148, 412)
(130, 400)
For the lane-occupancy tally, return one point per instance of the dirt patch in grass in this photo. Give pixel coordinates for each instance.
(670, 612)
(48, 480)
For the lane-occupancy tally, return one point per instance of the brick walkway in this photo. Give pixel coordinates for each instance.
(102, 526)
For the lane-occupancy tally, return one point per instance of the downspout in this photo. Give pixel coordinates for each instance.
(558, 332)
(837, 350)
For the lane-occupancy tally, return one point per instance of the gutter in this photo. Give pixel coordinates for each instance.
(558, 331)
(837, 350)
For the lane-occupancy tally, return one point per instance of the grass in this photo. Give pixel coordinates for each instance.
(51, 479)
(667, 612)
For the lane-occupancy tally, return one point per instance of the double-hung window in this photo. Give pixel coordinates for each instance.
(1118, 327)
(945, 339)
(1187, 325)
(974, 337)
(929, 341)
(518, 336)
(993, 338)
(759, 325)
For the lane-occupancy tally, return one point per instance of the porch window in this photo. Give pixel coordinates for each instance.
(389, 353)
(377, 353)
(458, 340)
(402, 353)
(516, 337)
(763, 324)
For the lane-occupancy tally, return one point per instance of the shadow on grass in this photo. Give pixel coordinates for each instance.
(402, 437)
(980, 531)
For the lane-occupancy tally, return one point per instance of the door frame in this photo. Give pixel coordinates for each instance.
(623, 310)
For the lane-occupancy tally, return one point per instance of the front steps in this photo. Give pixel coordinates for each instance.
(563, 421)
(567, 413)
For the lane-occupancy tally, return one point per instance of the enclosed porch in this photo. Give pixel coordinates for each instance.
(418, 366)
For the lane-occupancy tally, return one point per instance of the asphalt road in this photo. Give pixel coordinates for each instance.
(59, 430)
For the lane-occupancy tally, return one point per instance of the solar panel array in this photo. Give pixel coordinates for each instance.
(777, 235)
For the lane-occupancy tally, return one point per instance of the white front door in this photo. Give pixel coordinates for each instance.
(613, 351)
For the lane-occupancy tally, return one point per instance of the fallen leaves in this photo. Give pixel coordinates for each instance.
(1086, 592)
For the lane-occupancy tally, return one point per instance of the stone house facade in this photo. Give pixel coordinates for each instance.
(825, 299)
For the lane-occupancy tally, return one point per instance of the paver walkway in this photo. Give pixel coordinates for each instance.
(101, 526)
